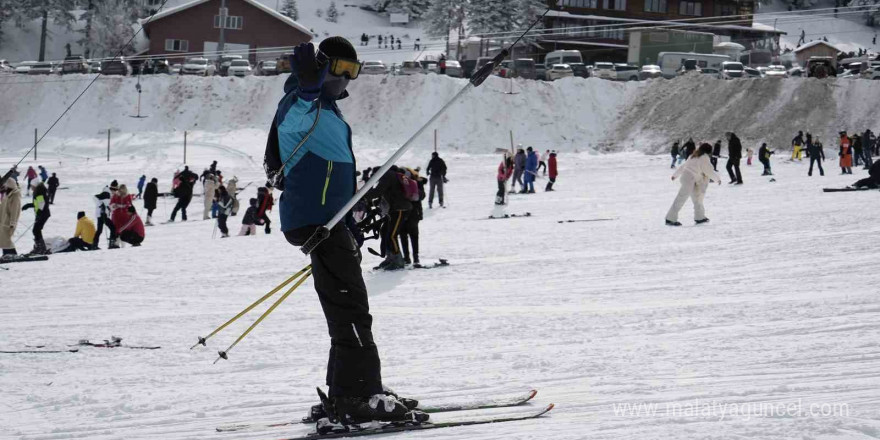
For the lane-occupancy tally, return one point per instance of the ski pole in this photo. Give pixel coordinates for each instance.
(477, 78)
(223, 354)
(202, 341)
(28, 228)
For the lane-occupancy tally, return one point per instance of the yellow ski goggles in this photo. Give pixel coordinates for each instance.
(340, 66)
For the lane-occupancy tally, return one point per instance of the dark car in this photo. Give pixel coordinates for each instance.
(150, 67)
(580, 70)
(116, 67)
(468, 67)
(524, 68)
(74, 64)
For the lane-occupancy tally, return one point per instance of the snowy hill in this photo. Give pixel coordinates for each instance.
(847, 31)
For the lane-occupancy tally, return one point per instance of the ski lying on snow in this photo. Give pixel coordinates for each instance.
(489, 403)
(587, 220)
(24, 259)
(492, 217)
(375, 428)
(441, 263)
(39, 351)
(846, 189)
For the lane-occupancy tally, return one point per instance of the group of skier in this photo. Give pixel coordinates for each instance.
(523, 168)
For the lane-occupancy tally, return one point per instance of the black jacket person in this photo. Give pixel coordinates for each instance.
(734, 154)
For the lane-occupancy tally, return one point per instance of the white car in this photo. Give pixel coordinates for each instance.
(175, 69)
(374, 68)
(650, 71)
(559, 71)
(197, 66)
(453, 68)
(625, 72)
(775, 72)
(239, 68)
(24, 67)
(732, 69)
(604, 71)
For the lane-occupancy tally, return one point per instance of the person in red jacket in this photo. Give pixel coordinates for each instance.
(551, 164)
(120, 207)
(132, 232)
(505, 170)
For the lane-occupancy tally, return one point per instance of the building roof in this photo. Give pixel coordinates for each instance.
(286, 20)
(804, 47)
(586, 43)
(563, 14)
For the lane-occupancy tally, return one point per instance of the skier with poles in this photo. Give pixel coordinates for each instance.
(10, 210)
(310, 157)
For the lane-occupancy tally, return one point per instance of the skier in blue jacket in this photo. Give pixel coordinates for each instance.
(531, 172)
(309, 156)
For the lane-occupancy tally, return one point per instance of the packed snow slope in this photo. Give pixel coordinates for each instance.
(774, 302)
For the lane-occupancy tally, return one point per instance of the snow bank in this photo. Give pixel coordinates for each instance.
(758, 110)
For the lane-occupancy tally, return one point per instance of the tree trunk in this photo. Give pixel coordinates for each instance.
(87, 50)
(43, 36)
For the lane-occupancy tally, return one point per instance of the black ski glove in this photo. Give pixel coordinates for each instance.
(308, 72)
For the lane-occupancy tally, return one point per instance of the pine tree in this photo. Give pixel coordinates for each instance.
(109, 27)
(415, 8)
(445, 15)
(332, 13)
(56, 10)
(290, 10)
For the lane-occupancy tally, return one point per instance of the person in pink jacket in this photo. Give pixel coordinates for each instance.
(505, 170)
(695, 175)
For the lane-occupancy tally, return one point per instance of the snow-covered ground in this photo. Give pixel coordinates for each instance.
(847, 30)
(774, 301)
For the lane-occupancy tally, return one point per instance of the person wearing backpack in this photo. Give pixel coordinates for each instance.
(437, 177)
(410, 230)
(396, 206)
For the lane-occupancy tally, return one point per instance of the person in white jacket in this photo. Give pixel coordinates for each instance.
(695, 176)
(210, 187)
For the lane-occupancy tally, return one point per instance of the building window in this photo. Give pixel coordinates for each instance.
(611, 33)
(728, 10)
(177, 45)
(232, 22)
(655, 6)
(579, 3)
(690, 8)
(615, 5)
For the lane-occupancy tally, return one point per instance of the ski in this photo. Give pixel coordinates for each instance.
(23, 259)
(74, 350)
(492, 217)
(490, 403)
(114, 342)
(587, 220)
(374, 428)
(845, 189)
(441, 263)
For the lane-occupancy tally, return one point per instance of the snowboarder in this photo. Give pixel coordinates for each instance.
(84, 235)
(505, 171)
(845, 154)
(409, 231)
(44, 175)
(210, 188)
(141, 181)
(530, 172)
(674, 153)
(183, 192)
(716, 153)
(10, 210)
(313, 87)
(30, 175)
(41, 215)
(764, 154)
(797, 145)
(734, 154)
(249, 220)
(519, 166)
(102, 214)
(817, 154)
(553, 171)
(695, 175)
(52, 184)
(266, 202)
(224, 202)
(437, 177)
(150, 197)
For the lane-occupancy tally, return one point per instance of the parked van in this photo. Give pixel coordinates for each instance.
(670, 62)
(562, 57)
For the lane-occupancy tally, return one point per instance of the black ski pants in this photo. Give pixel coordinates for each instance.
(410, 232)
(181, 205)
(52, 190)
(353, 367)
(103, 220)
(550, 184)
(435, 183)
(766, 163)
(38, 227)
(817, 160)
(131, 238)
(733, 165)
(221, 223)
(714, 161)
(499, 196)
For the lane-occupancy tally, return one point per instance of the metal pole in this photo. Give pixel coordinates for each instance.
(435, 140)
(511, 143)
(221, 45)
(35, 145)
(108, 144)
(184, 147)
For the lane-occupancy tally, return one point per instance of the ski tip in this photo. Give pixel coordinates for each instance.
(549, 407)
(532, 394)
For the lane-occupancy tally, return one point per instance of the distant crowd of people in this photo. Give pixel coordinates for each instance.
(522, 168)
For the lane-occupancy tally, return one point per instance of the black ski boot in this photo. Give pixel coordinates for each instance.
(379, 407)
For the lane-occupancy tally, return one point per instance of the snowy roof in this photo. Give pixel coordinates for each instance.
(286, 20)
(815, 43)
(564, 14)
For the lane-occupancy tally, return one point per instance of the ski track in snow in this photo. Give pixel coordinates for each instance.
(775, 300)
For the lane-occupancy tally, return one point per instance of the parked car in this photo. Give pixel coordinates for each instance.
(710, 71)
(157, 66)
(467, 67)
(5, 67)
(197, 66)
(175, 69)
(604, 71)
(430, 66)
(580, 70)
(751, 72)
(626, 72)
(688, 66)
(821, 67)
(116, 67)
(411, 68)
(650, 71)
(225, 62)
(732, 69)
(24, 67)
(94, 66)
(74, 64)
(776, 72)
(41, 68)
(454, 69)
(505, 70)
(524, 68)
(559, 71)
(562, 57)
(267, 68)
(239, 68)
(374, 68)
(796, 71)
